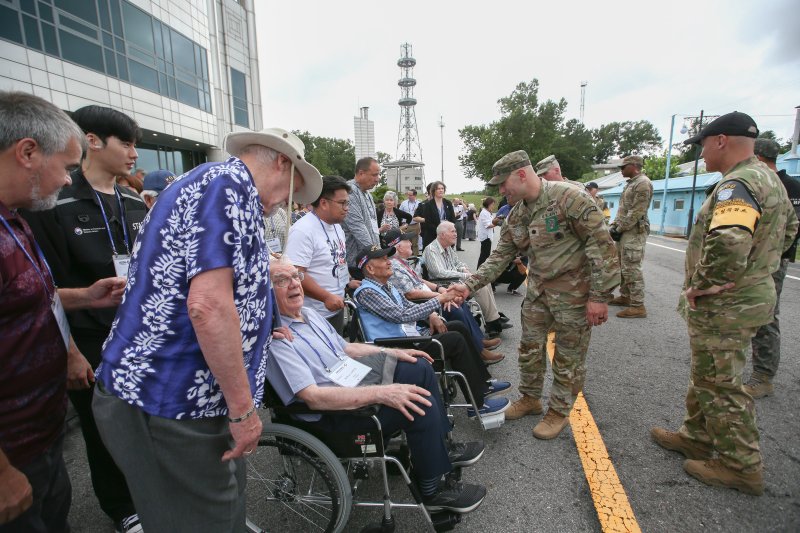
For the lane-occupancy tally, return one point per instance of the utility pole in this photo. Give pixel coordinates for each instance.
(583, 97)
(698, 151)
(441, 138)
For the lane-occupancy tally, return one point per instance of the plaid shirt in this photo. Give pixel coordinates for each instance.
(401, 312)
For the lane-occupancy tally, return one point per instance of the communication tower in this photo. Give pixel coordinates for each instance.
(408, 169)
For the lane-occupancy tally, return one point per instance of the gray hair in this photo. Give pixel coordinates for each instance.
(261, 153)
(24, 115)
(390, 195)
(444, 226)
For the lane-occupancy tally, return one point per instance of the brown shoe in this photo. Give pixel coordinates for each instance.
(678, 443)
(550, 426)
(620, 300)
(633, 312)
(713, 472)
(759, 385)
(491, 344)
(490, 358)
(527, 405)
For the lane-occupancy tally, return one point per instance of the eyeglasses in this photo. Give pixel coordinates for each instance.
(343, 203)
(282, 282)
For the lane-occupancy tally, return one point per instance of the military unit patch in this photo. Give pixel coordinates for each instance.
(735, 207)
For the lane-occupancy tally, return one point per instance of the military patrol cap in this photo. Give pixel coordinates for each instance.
(592, 185)
(735, 124)
(508, 164)
(394, 236)
(372, 252)
(543, 166)
(632, 160)
(767, 148)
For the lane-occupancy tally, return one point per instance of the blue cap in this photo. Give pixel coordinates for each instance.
(158, 180)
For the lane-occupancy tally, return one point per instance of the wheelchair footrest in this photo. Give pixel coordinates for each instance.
(445, 520)
(492, 421)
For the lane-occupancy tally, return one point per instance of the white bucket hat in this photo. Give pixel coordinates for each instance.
(288, 144)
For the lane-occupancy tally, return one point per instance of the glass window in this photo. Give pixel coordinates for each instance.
(28, 6)
(122, 65)
(9, 25)
(679, 204)
(182, 51)
(239, 93)
(138, 27)
(84, 9)
(105, 15)
(108, 40)
(50, 40)
(32, 38)
(139, 55)
(656, 204)
(188, 94)
(81, 51)
(116, 18)
(77, 26)
(45, 12)
(111, 64)
(143, 76)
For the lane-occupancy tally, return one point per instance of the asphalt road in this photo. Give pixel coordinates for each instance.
(637, 376)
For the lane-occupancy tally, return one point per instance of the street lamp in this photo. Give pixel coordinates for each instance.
(666, 173)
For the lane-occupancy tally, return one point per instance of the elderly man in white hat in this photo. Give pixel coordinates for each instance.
(183, 367)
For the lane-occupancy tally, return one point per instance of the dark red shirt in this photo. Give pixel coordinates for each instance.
(33, 358)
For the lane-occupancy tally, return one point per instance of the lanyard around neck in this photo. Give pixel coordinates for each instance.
(108, 226)
(321, 337)
(38, 253)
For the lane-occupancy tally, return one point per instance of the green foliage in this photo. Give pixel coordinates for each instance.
(540, 129)
(331, 156)
(382, 158)
(785, 144)
(380, 190)
(655, 167)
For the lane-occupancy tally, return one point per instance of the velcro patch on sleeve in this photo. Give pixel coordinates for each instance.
(735, 207)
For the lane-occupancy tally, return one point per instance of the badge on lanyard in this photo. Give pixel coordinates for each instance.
(122, 263)
(61, 318)
(274, 245)
(348, 372)
(551, 223)
(410, 329)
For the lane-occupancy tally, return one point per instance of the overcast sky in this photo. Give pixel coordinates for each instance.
(320, 61)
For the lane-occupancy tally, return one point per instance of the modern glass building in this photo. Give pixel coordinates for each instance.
(186, 70)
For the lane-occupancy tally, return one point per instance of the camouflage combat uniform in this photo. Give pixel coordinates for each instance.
(740, 234)
(633, 223)
(571, 260)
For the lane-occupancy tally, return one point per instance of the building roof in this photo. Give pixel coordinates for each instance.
(683, 183)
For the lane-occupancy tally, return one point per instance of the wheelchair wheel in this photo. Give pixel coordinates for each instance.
(295, 483)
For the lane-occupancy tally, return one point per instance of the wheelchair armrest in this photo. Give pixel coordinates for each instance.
(400, 342)
(299, 408)
(445, 281)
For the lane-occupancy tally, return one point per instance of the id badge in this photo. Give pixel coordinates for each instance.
(410, 329)
(61, 319)
(122, 263)
(274, 245)
(348, 372)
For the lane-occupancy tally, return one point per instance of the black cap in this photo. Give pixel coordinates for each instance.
(372, 252)
(394, 236)
(592, 185)
(735, 124)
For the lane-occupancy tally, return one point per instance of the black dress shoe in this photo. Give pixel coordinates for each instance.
(459, 249)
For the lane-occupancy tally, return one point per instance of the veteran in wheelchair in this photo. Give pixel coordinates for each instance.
(319, 369)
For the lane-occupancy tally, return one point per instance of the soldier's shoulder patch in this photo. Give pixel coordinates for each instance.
(735, 207)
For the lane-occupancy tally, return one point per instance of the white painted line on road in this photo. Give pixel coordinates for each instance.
(667, 247)
(684, 251)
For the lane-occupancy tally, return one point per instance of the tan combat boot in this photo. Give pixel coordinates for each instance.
(527, 405)
(550, 426)
(759, 385)
(489, 357)
(713, 472)
(678, 443)
(620, 300)
(633, 312)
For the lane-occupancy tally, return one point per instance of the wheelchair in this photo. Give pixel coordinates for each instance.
(448, 378)
(301, 478)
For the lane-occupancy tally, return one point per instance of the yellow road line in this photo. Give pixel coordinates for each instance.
(610, 501)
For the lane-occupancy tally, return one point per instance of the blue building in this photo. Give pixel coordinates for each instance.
(679, 196)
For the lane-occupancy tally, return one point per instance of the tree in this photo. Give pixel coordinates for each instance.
(331, 156)
(655, 167)
(625, 138)
(382, 158)
(785, 144)
(526, 124)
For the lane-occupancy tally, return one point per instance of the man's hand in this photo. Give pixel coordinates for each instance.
(404, 398)
(354, 284)
(333, 302)
(693, 294)
(616, 235)
(409, 355)
(245, 437)
(79, 372)
(459, 288)
(437, 324)
(596, 313)
(16, 493)
(447, 296)
(106, 292)
(282, 333)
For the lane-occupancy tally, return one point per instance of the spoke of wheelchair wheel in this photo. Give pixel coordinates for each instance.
(304, 517)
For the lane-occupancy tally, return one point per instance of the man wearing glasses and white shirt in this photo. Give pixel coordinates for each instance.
(317, 248)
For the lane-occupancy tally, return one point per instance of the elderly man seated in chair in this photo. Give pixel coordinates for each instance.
(321, 369)
(386, 313)
(412, 286)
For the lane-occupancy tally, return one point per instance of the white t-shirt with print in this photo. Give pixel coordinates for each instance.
(319, 248)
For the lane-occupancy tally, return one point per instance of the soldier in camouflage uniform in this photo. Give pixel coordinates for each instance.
(631, 228)
(735, 246)
(767, 341)
(592, 189)
(549, 169)
(572, 271)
